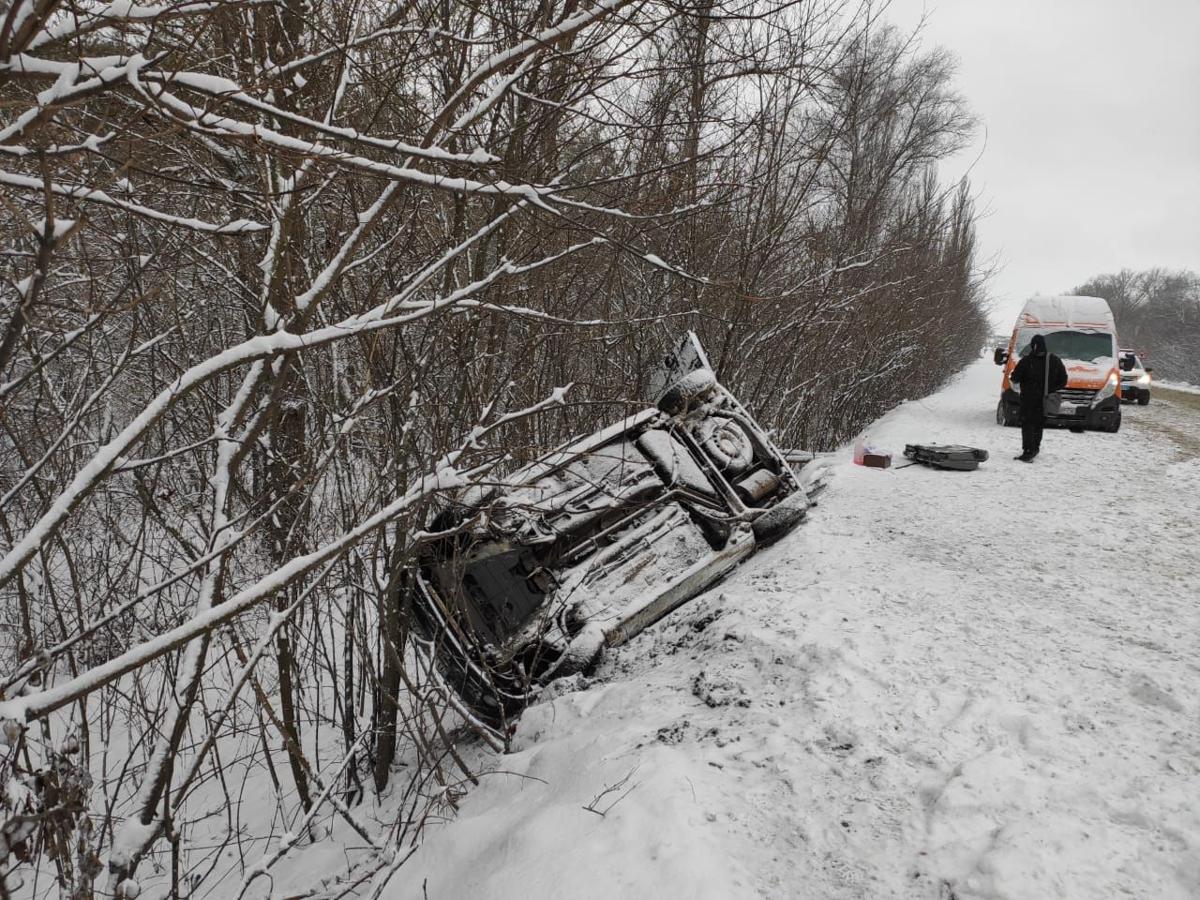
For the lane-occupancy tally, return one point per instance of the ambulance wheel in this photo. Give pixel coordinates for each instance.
(1006, 415)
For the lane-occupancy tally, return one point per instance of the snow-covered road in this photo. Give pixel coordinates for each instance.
(944, 685)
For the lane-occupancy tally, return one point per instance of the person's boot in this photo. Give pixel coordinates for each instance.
(1025, 457)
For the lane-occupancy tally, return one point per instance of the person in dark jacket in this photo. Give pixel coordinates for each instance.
(1032, 374)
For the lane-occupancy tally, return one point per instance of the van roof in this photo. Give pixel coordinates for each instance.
(1067, 311)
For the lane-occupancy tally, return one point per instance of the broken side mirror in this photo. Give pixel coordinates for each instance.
(1000, 356)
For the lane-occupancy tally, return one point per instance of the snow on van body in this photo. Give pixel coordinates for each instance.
(1067, 312)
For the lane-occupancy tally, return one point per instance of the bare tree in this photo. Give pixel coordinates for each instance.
(1158, 313)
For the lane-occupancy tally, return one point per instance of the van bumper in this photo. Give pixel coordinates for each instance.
(1104, 416)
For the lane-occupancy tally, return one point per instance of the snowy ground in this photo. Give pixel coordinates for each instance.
(945, 685)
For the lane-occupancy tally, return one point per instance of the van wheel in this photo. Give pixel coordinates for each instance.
(1144, 400)
(1006, 415)
(1114, 427)
(686, 389)
(777, 521)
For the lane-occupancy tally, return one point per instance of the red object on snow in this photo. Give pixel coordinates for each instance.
(866, 455)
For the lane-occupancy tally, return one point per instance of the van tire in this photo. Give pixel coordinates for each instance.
(691, 386)
(1006, 415)
(778, 521)
(1144, 400)
(1114, 427)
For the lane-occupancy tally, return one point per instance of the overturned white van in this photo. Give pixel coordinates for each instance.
(599, 539)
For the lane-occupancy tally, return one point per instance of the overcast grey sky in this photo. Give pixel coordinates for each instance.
(1092, 118)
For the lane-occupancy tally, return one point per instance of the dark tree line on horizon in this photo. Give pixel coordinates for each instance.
(283, 275)
(1158, 314)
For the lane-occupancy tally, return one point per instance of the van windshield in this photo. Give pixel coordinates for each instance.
(1085, 346)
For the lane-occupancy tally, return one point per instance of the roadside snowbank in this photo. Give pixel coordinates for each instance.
(1178, 386)
(967, 685)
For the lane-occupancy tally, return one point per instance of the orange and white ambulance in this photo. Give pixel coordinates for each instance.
(1081, 331)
